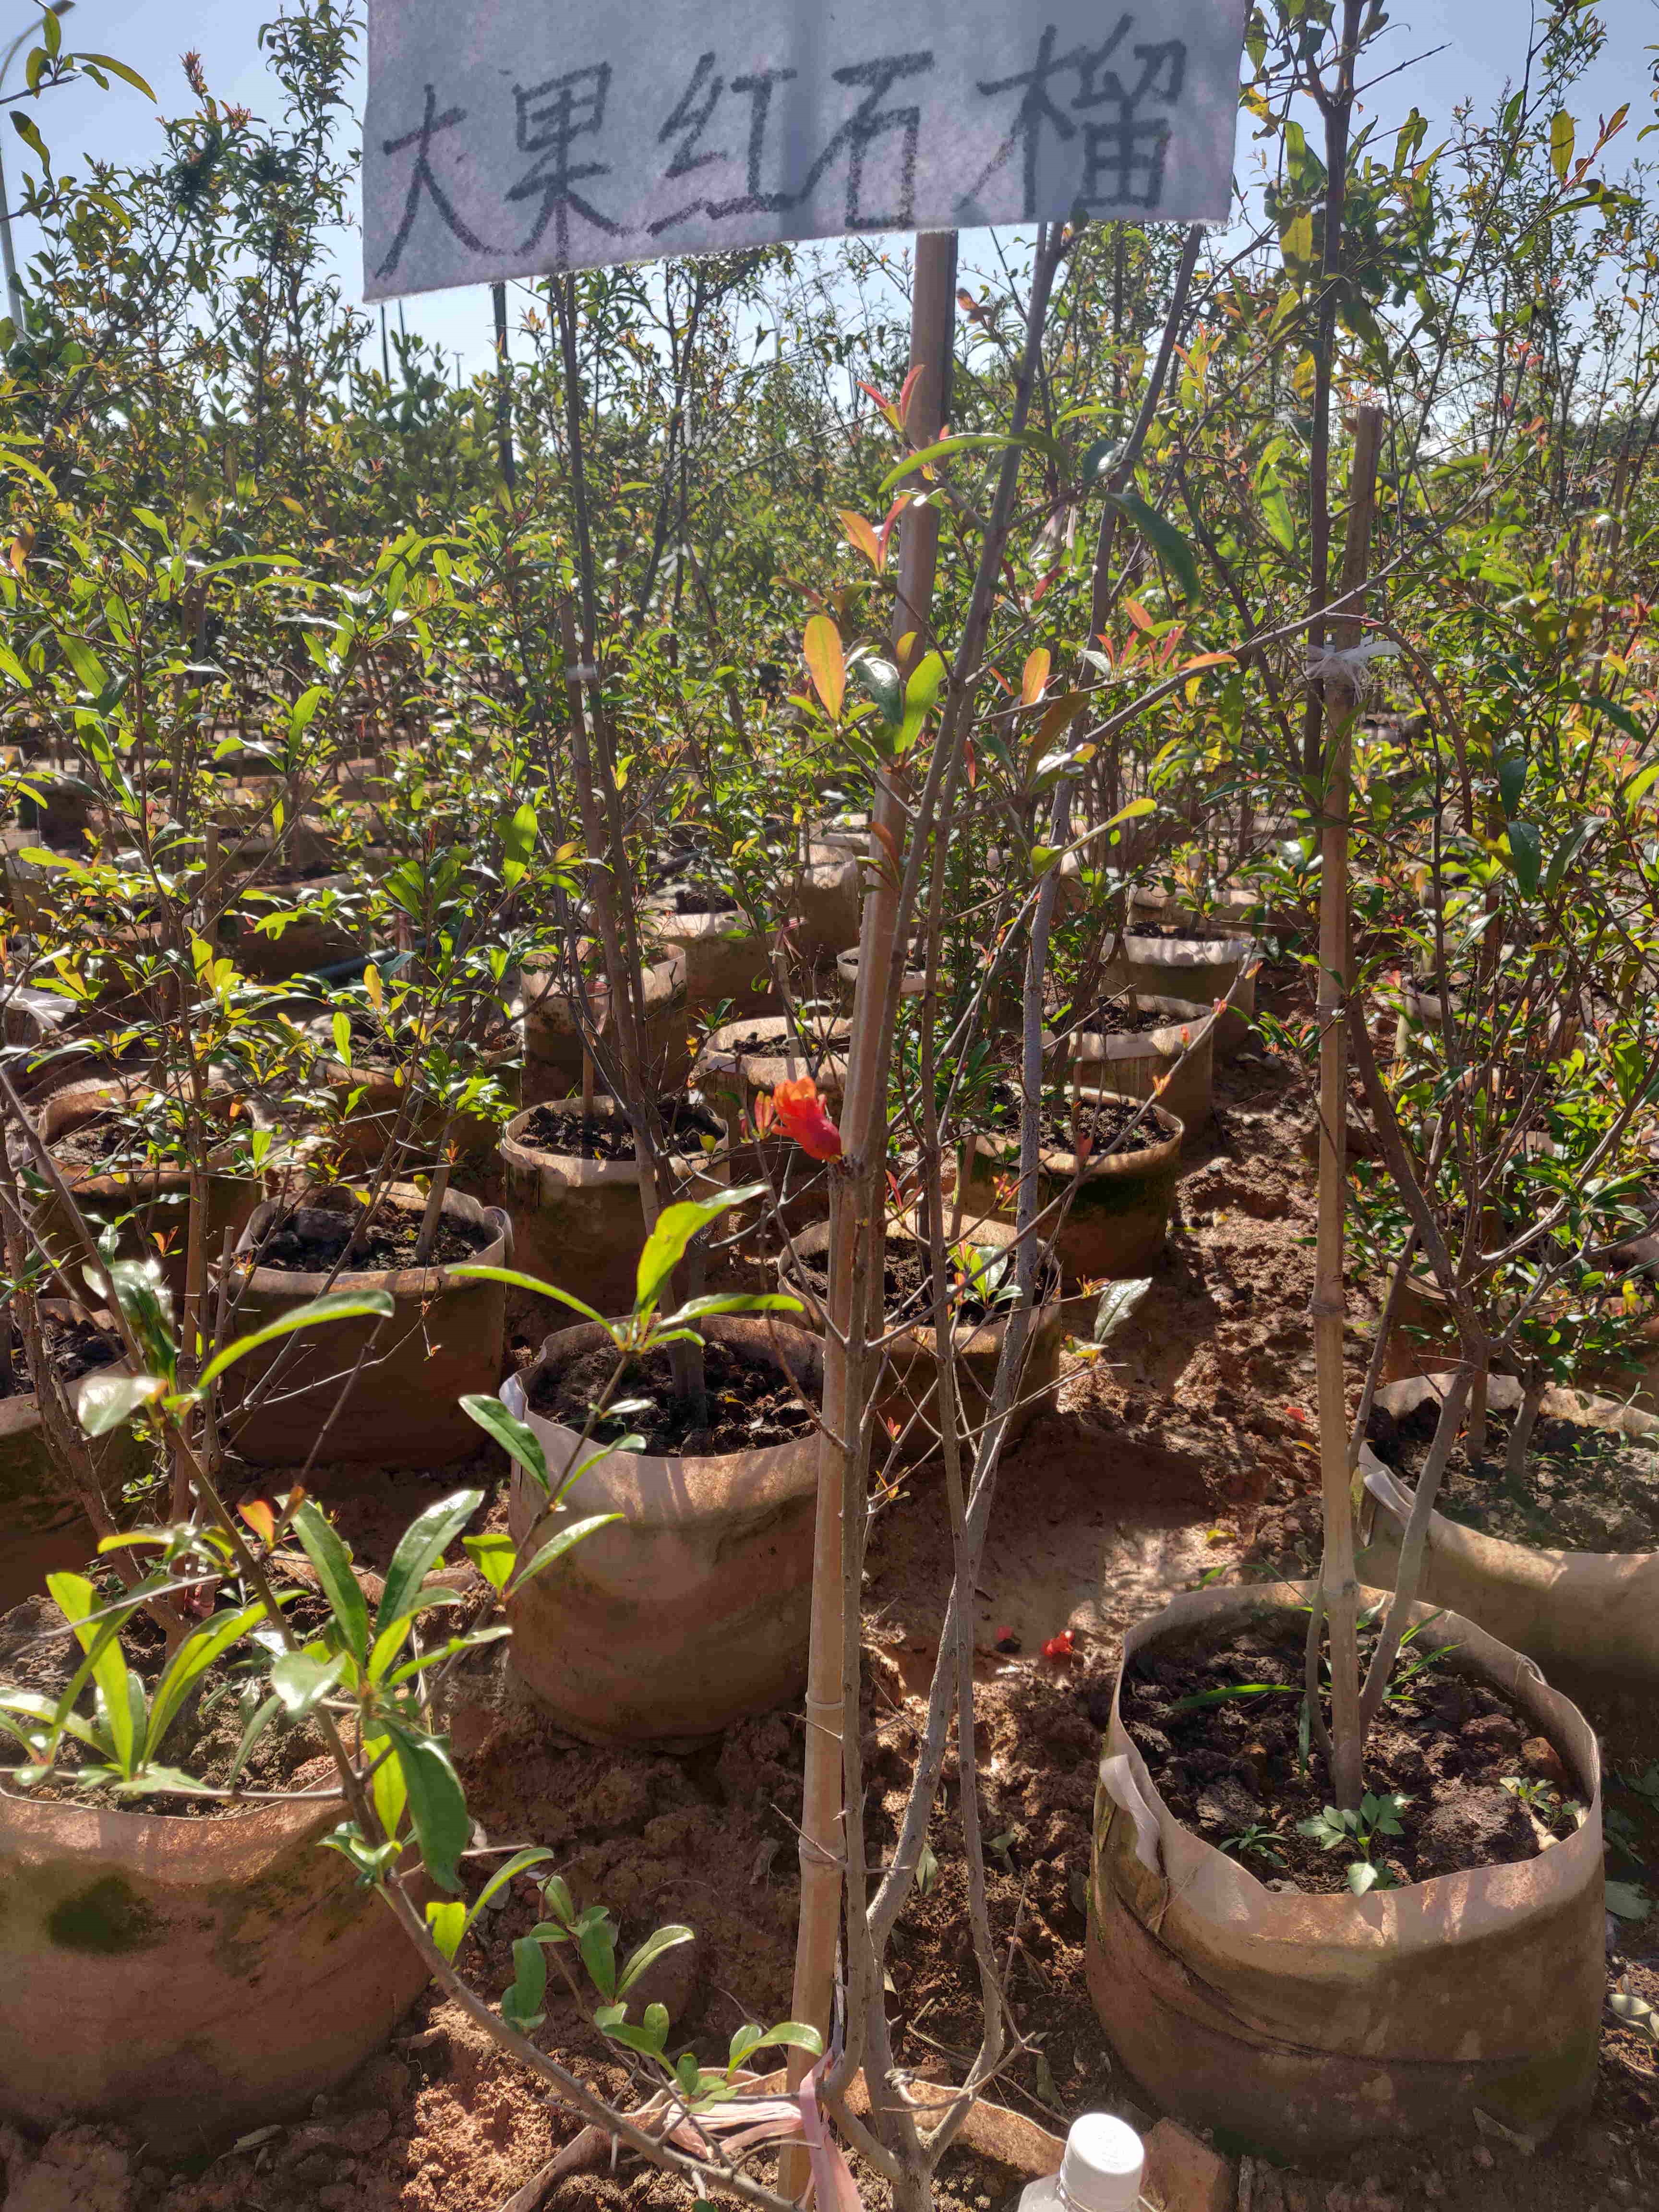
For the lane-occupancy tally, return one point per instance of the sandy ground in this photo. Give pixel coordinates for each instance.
(1162, 1462)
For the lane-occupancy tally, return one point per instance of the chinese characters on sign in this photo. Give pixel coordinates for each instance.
(507, 137)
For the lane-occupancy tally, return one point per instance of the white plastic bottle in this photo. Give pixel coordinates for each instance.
(1101, 2171)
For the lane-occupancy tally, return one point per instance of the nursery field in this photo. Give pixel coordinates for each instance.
(1210, 1469)
(829, 1125)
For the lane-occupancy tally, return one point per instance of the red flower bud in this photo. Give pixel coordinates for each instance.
(800, 1114)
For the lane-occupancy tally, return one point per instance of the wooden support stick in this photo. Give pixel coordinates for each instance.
(863, 1124)
(1341, 694)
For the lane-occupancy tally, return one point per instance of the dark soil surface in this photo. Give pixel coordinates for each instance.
(751, 1405)
(1195, 931)
(38, 1653)
(908, 1283)
(75, 1348)
(313, 1238)
(1115, 1018)
(688, 1129)
(1102, 1125)
(99, 1143)
(694, 898)
(1231, 1769)
(774, 1046)
(1581, 1489)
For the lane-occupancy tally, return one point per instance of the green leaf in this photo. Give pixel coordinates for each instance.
(920, 698)
(517, 837)
(1563, 132)
(1276, 510)
(521, 2007)
(323, 1547)
(567, 1540)
(1566, 855)
(533, 1855)
(341, 1029)
(447, 1919)
(794, 2035)
(31, 137)
(516, 1437)
(300, 1679)
(596, 1942)
(250, 1735)
(649, 2037)
(1362, 1877)
(1511, 779)
(336, 1305)
(189, 1662)
(421, 1544)
(1117, 1302)
(664, 1938)
(730, 1301)
(880, 679)
(515, 1281)
(386, 1783)
(76, 1598)
(109, 1401)
(676, 1226)
(1098, 460)
(493, 1556)
(1526, 854)
(437, 1804)
(1165, 540)
(120, 69)
(969, 441)
(1626, 1901)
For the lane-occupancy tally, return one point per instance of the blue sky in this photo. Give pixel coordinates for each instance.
(1482, 44)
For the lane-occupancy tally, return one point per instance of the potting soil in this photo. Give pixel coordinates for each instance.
(1103, 1125)
(75, 1348)
(39, 1653)
(1195, 932)
(688, 1128)
(1581, 1489)
(99, 1143)
(1219, 1731)
(313, 1239)
(907, 1284)
(689, 898)
(750, 1403)
(1115, 1018)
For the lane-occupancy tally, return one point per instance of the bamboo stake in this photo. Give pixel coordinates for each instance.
(853, 1197)
(1337, 1576)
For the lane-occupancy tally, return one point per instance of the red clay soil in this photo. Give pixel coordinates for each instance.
(1166, 1454)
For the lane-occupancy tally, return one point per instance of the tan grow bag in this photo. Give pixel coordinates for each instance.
(1307, 2024)
(690, 1613)
(187, 1978)
(1579, 1614)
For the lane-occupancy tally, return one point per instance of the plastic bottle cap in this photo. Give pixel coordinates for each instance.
(1102, 2169)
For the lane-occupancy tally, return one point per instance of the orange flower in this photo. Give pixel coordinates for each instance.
(800, 1114)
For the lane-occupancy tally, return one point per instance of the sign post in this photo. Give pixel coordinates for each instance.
(529, 137)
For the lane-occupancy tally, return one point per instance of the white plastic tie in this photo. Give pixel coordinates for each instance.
(1352, 661)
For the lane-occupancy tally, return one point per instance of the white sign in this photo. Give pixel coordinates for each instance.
(509, 137)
